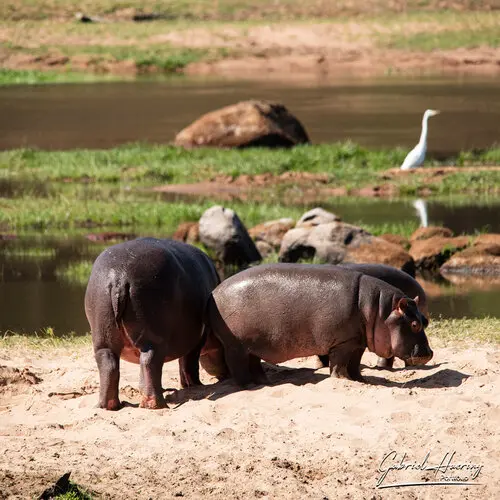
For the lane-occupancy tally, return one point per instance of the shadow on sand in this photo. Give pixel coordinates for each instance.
(279, 375)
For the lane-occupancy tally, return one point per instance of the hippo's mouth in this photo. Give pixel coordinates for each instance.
(420, 355)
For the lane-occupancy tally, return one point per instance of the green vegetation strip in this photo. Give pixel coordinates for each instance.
(34, 77)
(465, 330)
(102, 188)
(346, 163)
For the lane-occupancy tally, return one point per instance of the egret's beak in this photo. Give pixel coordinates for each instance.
(435, 112)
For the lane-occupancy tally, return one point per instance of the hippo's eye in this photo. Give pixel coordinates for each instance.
(415, 326)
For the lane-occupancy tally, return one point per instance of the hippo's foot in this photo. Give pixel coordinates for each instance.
(153, 402)
(342, 371)
(188, 381)
(346, 364)
(112, 404)
(385, 363)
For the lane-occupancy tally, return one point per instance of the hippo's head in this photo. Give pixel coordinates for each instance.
(406, 327)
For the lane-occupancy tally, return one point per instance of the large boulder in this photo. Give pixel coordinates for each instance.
(222, 231)
(430, 254)
(271, 232)
(481, 258)
(246, 124)
(317, 216)
(336, 242)
(424, 233)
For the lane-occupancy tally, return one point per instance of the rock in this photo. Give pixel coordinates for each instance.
(396, 239)
(481, 258)
(432, 253)
(337, 242)
(264, 248)
(246, 124)
(317, 216)
(380, 251)
(222, 231)
(271, 232)
(188, 232)
(424, 233)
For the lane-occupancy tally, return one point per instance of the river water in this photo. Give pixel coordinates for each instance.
(382, 112)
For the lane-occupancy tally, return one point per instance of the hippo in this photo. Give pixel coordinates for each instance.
(408, 285)
(145, 303)
(278, 312)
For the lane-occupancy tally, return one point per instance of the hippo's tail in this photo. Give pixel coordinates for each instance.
(119, 294)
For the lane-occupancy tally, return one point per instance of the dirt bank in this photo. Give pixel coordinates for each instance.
(311, 187)
(305, 436)
(291, 51)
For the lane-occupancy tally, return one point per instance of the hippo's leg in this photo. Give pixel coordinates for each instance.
(151, 362)
(238, 361)
(345, 361)
(108, 364)
(324, 360)
(189, 366)
(212, 357)
(385, 363)
(258, 374)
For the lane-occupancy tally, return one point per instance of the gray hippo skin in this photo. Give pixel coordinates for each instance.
(145, 302)
(408, 285)
(278, 312)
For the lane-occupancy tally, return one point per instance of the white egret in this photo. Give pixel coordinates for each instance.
(421, 208)
(416, 156)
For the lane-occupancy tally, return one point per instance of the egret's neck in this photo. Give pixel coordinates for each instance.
(423, 135)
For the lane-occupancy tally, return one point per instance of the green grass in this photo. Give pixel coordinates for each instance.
(75, 492)
(34, 77)
(479, 36)
(346, 163)
(124, 211)
(44, 339)
(452, 331)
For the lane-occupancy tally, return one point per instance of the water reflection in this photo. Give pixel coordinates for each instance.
(34, 295)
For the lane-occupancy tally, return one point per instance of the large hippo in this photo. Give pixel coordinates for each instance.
(408, 285)
(278, 312)
(145, 302)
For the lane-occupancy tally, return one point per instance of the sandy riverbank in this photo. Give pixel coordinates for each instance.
(305, 436)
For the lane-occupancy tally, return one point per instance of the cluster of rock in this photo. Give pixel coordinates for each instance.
(323, 236)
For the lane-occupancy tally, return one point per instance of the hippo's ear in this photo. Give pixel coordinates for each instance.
(402, 305)
(416, 299)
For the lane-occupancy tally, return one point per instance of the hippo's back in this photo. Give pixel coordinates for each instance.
(146, 262)
(395, 277)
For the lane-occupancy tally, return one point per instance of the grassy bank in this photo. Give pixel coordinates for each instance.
(346, 164)
(101, 188)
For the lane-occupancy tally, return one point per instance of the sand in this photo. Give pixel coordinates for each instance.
(304, 436)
